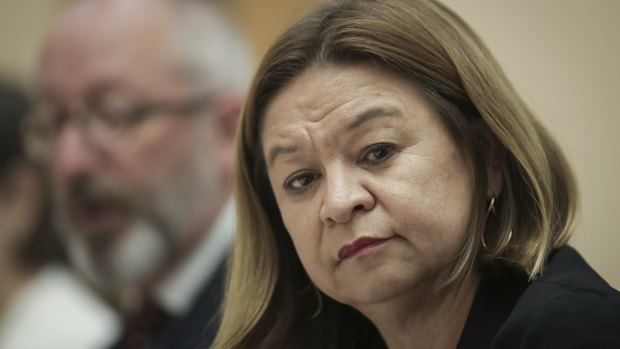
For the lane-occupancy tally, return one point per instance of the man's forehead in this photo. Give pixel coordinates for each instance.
(114, 21)
(106, 41)
(122, 11)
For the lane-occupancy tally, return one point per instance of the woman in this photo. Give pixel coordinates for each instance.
(394, 191)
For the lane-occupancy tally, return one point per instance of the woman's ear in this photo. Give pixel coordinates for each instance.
(495, 177)
(227, 110)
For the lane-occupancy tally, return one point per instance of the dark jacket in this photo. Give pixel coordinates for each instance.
(153, 329)
(568, 306)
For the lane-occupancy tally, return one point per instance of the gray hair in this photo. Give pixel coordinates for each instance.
(212, 50)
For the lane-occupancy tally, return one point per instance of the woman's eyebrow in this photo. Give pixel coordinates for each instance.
(373, 114)
(277, 151)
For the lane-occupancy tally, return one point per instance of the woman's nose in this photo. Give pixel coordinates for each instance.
(345, 194)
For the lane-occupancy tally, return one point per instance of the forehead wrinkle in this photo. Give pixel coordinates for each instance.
(373, 113)
(307, 109)
(313, 116)
(286, 149)
(277, 151)
(312, 129)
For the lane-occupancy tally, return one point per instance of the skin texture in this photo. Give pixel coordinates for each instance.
(357, 152)
(154, 189)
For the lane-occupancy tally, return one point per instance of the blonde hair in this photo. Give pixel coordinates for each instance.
(270, 300)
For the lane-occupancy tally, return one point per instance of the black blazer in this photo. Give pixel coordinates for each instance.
(568, 306)
(196, 329)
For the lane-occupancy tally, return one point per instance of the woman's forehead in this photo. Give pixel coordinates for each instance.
(325, 91)
(334, 106)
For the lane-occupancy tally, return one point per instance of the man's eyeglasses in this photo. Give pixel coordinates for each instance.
(104, 122)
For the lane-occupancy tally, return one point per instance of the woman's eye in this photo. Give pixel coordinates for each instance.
(299, 182)
(379, 153)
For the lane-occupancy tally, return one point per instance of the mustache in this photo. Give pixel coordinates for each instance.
(87, 189)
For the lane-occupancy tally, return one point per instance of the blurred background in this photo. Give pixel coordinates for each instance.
(562, 55)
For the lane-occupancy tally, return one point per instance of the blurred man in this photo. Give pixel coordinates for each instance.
(34, 281)
(139, 105)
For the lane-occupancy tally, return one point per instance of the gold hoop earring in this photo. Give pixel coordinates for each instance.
(491, 207)
(489, 210)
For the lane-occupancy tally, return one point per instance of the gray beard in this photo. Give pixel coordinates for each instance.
(139, 254)
(161, 223)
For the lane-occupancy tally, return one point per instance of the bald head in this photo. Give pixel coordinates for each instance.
(103, 40)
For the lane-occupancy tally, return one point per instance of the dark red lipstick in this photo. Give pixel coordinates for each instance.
(358, 246)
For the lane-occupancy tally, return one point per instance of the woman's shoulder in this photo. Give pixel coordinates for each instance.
(568, 306)
(568, 275)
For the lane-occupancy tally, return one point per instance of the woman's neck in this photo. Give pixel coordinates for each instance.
(425, 318)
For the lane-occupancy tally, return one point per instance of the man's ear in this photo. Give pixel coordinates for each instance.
(227, 110)
(495, 177)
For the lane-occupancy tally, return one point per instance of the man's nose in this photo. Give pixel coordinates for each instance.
(73, 153)
(345, 194)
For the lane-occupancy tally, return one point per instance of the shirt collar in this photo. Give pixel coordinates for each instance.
(178, 291)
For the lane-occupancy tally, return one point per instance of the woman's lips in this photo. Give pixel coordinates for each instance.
(360, 245)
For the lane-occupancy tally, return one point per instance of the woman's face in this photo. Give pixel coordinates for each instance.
(373, 189)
